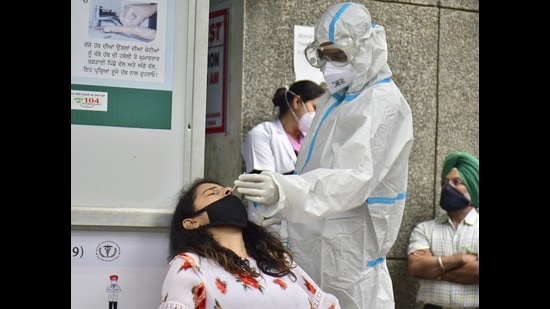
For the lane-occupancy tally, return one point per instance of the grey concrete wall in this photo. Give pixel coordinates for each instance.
(434, 55)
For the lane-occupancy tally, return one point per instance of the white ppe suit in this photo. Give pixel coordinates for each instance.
(266, 148)
(345, 206)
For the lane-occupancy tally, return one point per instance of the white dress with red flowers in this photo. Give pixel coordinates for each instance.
(196, 283)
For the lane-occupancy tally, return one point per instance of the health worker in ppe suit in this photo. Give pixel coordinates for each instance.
(344, 207)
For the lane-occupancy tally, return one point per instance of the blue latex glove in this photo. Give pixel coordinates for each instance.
(258, 188)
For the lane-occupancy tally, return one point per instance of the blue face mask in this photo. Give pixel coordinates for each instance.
(451, 199)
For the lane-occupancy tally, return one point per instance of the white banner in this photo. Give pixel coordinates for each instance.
(138, 259)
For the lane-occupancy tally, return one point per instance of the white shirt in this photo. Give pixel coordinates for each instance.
(266, 148)
(441, 238)
(192, 282)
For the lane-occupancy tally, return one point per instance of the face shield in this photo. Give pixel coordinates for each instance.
(338, 53)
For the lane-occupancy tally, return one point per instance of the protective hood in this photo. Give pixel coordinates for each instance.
(353, 20)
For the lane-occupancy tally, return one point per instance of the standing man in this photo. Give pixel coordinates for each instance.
(345, 204)
(444, 252)
(113, 289)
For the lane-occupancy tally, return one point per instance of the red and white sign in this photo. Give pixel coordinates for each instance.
(217, 82)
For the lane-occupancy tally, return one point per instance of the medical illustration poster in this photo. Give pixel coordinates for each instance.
(117, 270)
(105, 48)
(121, 62)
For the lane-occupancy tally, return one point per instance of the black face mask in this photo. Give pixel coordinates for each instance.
(452, 199)
(229, 210)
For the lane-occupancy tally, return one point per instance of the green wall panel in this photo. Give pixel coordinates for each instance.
(135, 108)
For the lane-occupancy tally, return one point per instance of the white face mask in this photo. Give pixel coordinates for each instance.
(305, 122)
(338, 77)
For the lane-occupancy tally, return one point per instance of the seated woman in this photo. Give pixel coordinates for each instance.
(220, 259)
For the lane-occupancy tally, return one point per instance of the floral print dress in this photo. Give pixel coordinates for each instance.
(194, 282)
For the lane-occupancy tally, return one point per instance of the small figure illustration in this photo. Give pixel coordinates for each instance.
(113, 289)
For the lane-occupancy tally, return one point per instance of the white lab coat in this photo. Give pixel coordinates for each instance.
(113, 289)
(266, 148)
(344, 209)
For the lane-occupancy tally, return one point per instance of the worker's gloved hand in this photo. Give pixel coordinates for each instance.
(258, 188)
(271, 221)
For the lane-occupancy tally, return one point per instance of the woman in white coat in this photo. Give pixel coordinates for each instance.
(274, 145)
(344, 207)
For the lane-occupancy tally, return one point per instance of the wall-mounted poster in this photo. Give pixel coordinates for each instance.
(121, 63)
(304, 35)
(138, 105)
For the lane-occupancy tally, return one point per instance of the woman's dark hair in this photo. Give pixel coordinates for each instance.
(266, 248)
(306, 89)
